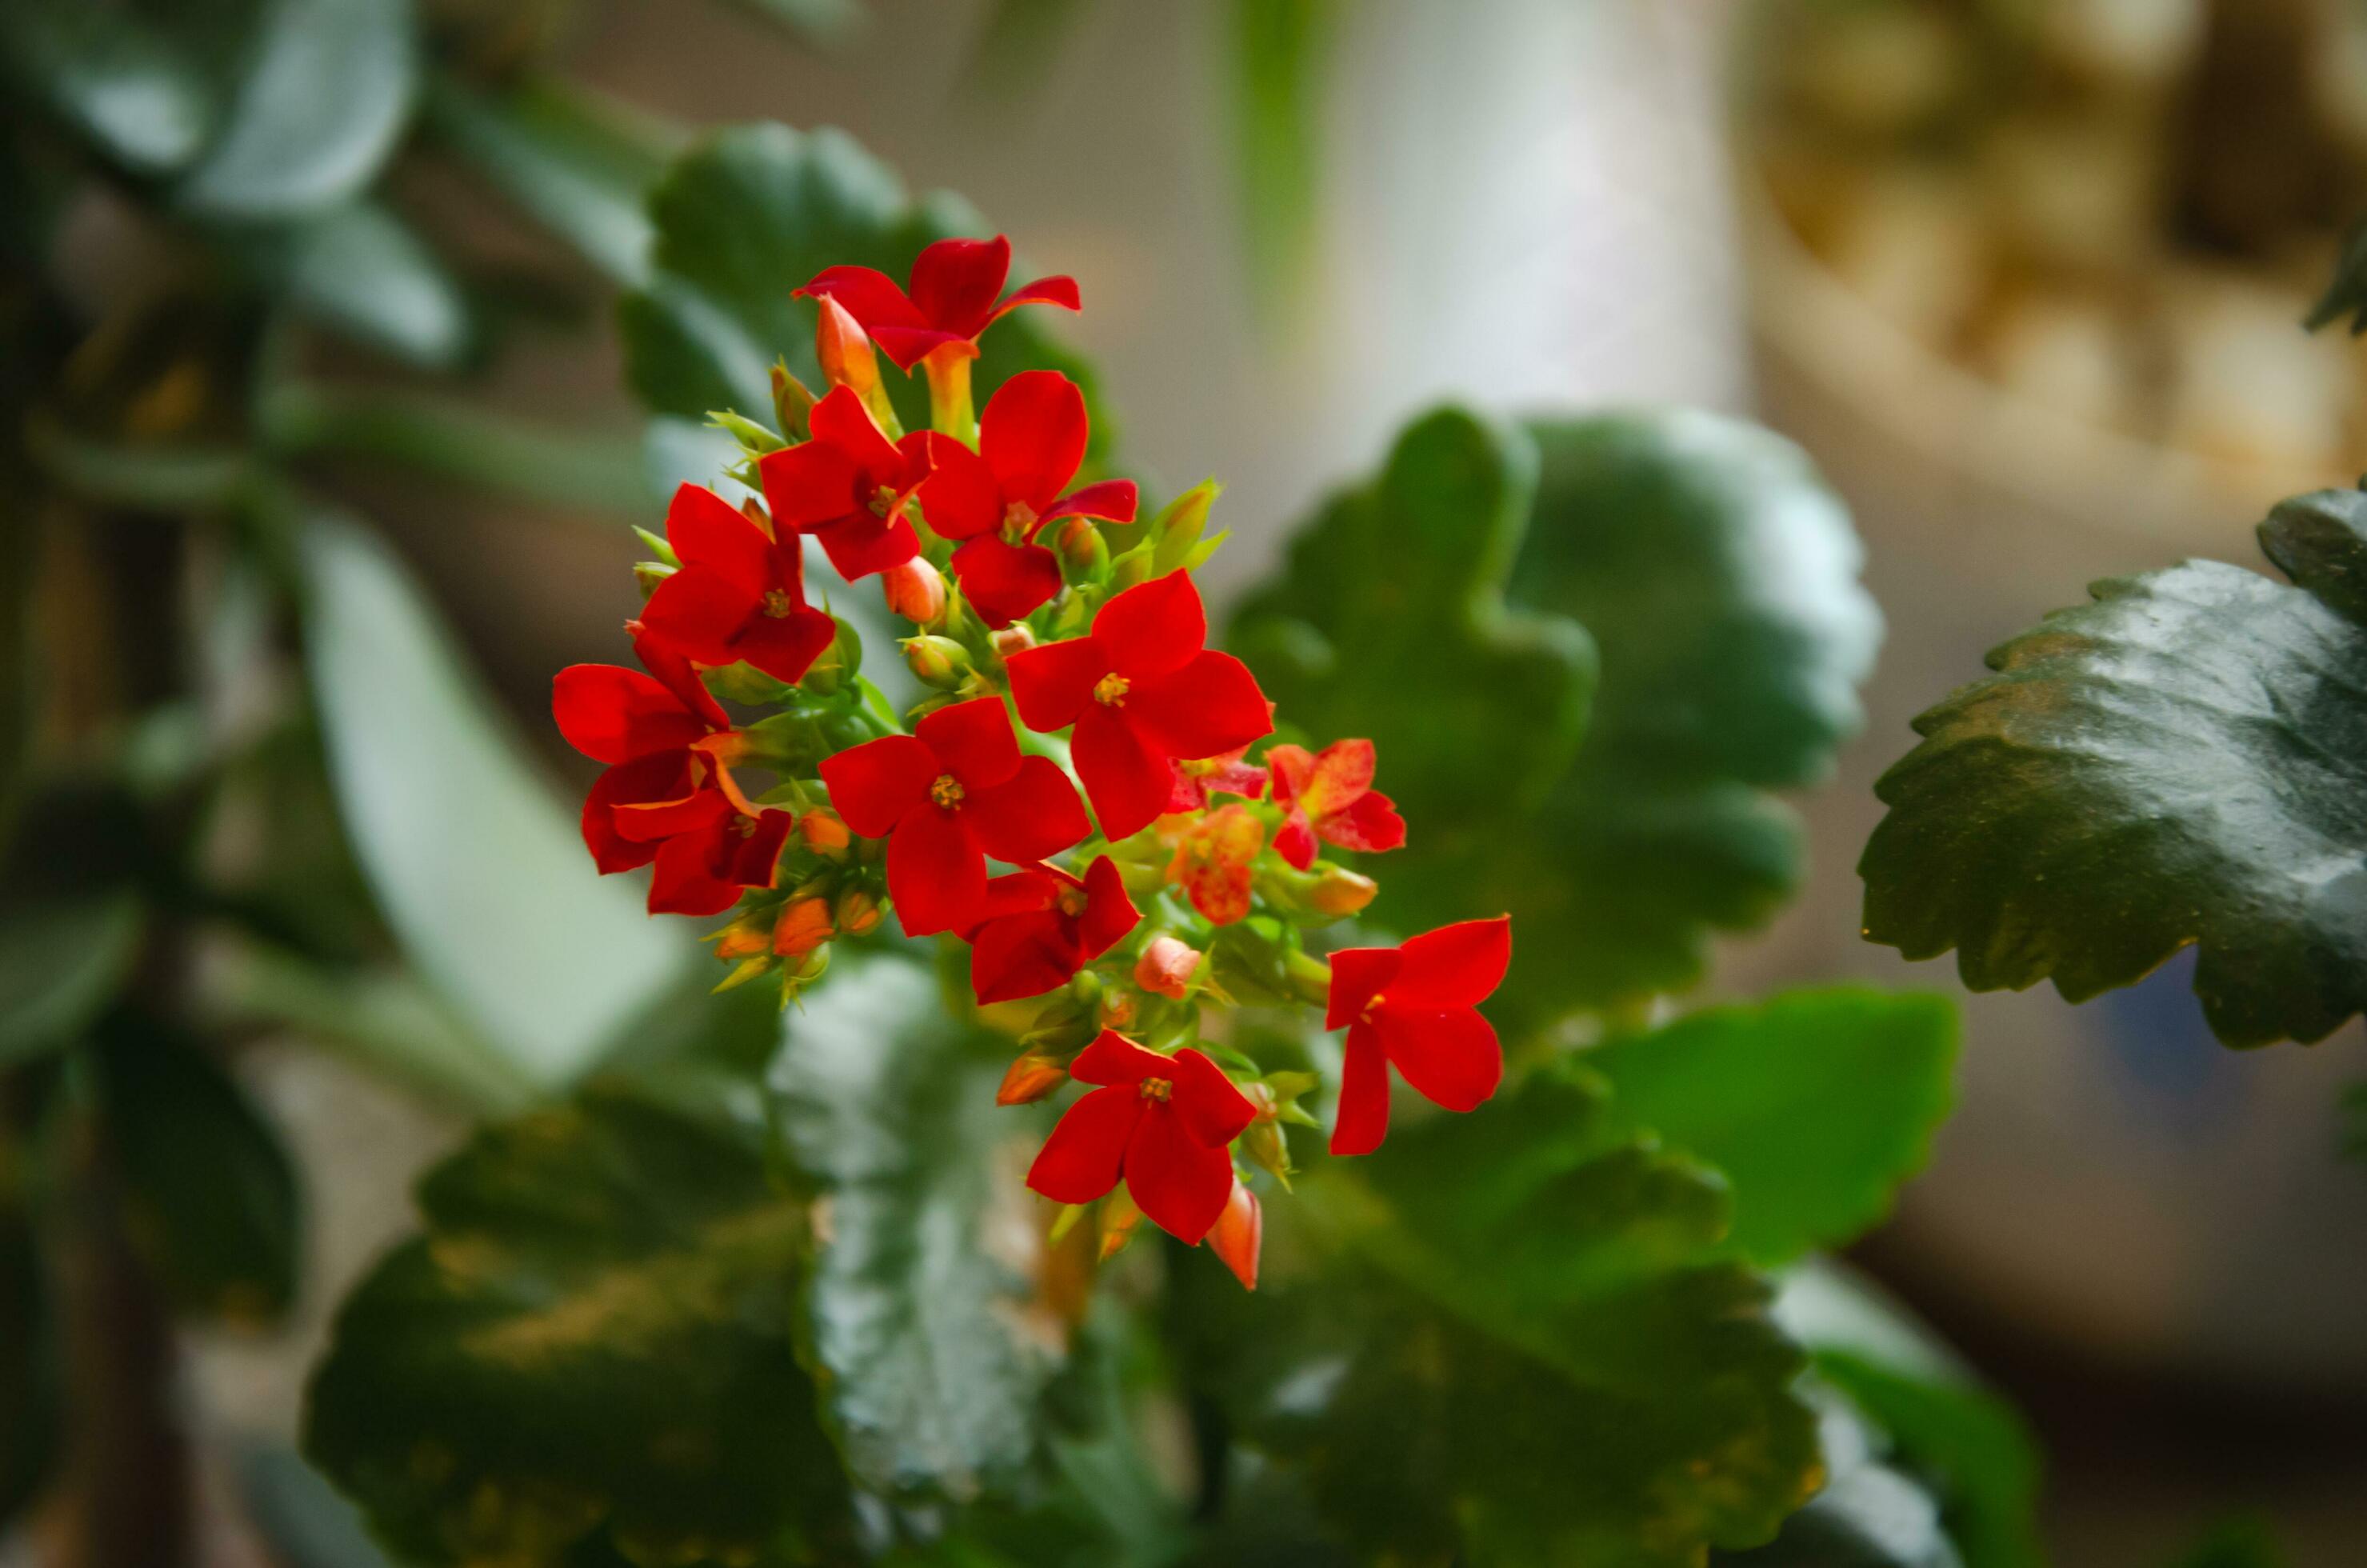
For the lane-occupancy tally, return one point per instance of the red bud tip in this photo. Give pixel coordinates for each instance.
(1030, 1077)
(858, 911)
(825, 831)
(805, 924)
(1239, 1232)
(845, 350)
(915, 590)
(1119, 1217)
(1166, 968)
(1013, 638)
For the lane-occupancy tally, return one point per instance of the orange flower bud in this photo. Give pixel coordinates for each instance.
(858, 911)
(748, 937)
(1239, 1233)
(826, 831)
(1013, 638)
(1166, 967)
(1030, 1077)
(915, 590)
(845, 350)
(1341, 891)
(1117, 1010)
(1083, 549)
(805, 924)
(1119, 1217)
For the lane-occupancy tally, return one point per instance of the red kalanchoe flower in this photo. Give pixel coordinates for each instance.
(1226, 774)
(1143, 691)
(953, 299)
(1160, 1122)
(848, 486)
(1216, 862)
(1416, 1007)
(741, 594)
(668, 795)
(1330, 796)
(1030, 440)
(1041, 926)
(947, 796)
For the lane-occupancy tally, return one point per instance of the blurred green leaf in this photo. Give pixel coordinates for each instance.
(919, 1301)
(114, 75)
(1867, 1514)
(747, 215)
(326, 89)
(209, 1197)
(1279, 53)
(30, 1408)
(2237, 1543)
(577, 164)
(1815, 1107)
(61, 964)
(2179, 762)
(478, 869)
(363, 271)
(594, 1337)
(1505, 1345)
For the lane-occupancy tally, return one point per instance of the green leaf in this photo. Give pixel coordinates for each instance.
(2237, 1543)
(1867, 1514)
(29, 1407)
(919, 1300)
(1504, 1346)
(595, 1339)
(577, 164)
(209, 1197)
(326, 90)
(113, 76)
(1279, 54)
(747, 215)
(60, 962)
(2181, 761)
(1815, 1107)
(477, 869)
(360, 269)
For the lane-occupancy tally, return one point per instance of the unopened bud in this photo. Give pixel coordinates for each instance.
(1263, 1143)
(1176, 532)
(1015, 638)
(1166, 967)
(793, 401)
(805, 971)
(845, 351)
(858, 911)
(938, 662)
(1339, 892)
(915, 590)
(1132, 570)
(1119, 1217)
(804, 926)
(1031, 1077)
(825, 832)
(1238, 1234)
(751, 936)
(1117, 1010)
(1083, 552)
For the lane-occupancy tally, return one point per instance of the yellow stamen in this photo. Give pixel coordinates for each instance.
(946, 792)
(778, 603)
(1111, 690)
(1157, 1088)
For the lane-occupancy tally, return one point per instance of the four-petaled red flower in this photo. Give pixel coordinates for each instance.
(1040, 925)
(947, 796)
(1143, 691)
(1030, 440)
(1163, 1123)
(741, 594)
(955, 285)
(1330, 796)
(848, 487)
(1416, 1007)
(668, 794)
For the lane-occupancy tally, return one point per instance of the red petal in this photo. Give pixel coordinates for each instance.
(613, 714)
(808, 486)
(1211, 1106)
(873, 785)
(1081, 1160)
(657, 778)
(696, 614)
(1015, 892)
(706, 531)
(757, 857)
(785, 648)
(1455, 966)
(1054, 684)
(1109, 913)
(1450, 1056)
(1114, 1059)
(840, 420)
(1058, 289)
(859, 545)
(1296, 841)
(960, 497)
(1210, 706)
(1004, 581)
(1033, 436)
(935, 873)
(1371, 824)
(1292, 767)
(869, 295)
(1022, 955)
(1359, 974)
(1153, 628)
(1031, 815)
(653, 821)
(908, 346)
(1239, 1233)
(684, 880)
(974, 743)
(1179, 1184)
(674, 671)
(1112, 499)
(1363, 1118)
(1341, 773)
(1127, 780)
(955, 283)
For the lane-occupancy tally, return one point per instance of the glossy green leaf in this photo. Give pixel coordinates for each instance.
(113, 74)
(1503, 1345)
(919, 1299)
(363, 271)
(327, 87)
(593, 1345)
(2179, 762)
(60, 962)
(209, 1197)
(476, 865)
(747, 215)
(1815, 1107)
(29, 1407)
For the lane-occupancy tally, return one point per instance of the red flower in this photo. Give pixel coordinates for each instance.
(668, 794)
(1416, 1007)
(947, 796)
(952, 300)
(1216, 862)
(1330, 795)
(1143, 691)
(1030, 441)
(1041, 926)
(1161, 1122)
(1225, 774)
(739, 594)
(848, 486)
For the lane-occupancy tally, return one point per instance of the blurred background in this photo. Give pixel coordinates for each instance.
(2026, 278)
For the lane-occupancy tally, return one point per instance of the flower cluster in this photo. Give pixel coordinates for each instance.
(1160, 848)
